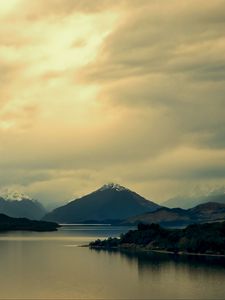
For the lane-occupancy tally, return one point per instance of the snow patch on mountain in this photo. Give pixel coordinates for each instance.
(112, 186)
(12, 195)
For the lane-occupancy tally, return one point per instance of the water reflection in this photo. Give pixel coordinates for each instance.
(172, 276)
(147, 261)
(52, 266)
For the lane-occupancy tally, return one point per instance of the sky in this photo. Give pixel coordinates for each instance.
(97, 91)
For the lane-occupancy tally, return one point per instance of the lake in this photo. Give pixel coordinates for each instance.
(53, 266)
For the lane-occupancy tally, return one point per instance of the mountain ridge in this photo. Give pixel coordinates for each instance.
(206, 212)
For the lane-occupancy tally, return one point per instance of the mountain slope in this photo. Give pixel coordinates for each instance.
(207, 212)
(164, 216)
(109, 203)
(18, 205)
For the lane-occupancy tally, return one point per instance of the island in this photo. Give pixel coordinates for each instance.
(207, 239)
(10, 224)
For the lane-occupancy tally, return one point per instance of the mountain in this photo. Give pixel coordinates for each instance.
(190, 201)
(108, 204)
(207, 212)
(7, 224)
(19, 205)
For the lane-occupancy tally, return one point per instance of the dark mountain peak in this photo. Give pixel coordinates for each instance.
(111, 202)
(112, 187)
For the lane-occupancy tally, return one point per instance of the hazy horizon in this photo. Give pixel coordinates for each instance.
(192, 198)
(98, 91)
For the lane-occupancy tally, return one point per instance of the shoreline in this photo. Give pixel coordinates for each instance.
(179, 253)
(187, 253)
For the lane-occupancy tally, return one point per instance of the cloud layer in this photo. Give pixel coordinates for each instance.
(127, 91)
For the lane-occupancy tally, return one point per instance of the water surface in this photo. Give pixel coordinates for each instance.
(53, 266)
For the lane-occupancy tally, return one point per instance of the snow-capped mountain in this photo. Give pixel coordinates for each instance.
(16, 204)
(108, 204)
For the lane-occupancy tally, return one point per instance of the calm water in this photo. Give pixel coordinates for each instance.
(52, 266)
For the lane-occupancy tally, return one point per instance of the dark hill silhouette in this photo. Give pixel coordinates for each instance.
(108, 204)
(8, 224)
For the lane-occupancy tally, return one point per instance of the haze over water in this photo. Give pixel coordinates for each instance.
(52, 266)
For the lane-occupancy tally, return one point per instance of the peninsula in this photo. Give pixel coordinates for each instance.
(207, 238)
(10, 224)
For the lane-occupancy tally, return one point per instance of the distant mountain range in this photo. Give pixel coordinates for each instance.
(115, 204)
(207, 212)
(109, 204)
(190, 201)
(18, 205)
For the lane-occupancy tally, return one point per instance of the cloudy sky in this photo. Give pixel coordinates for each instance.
(129, 91)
